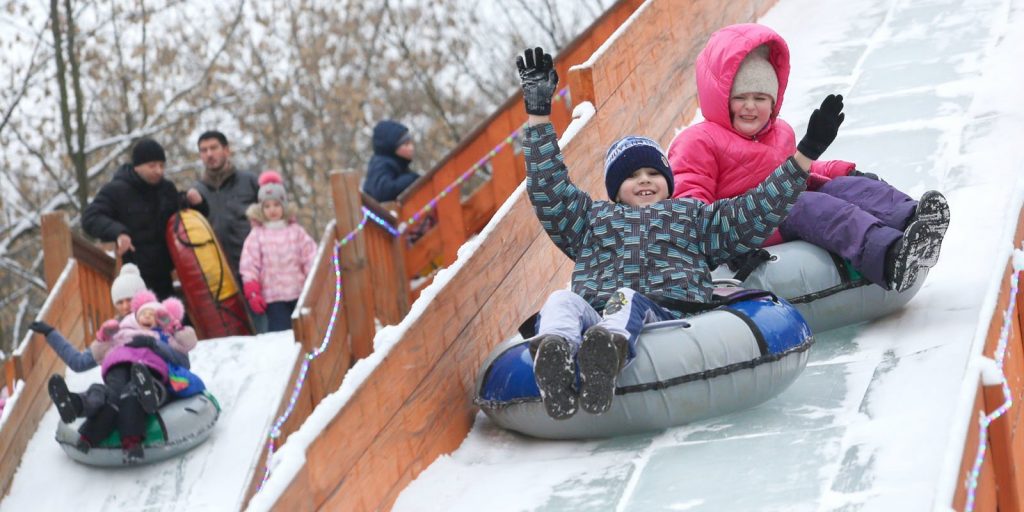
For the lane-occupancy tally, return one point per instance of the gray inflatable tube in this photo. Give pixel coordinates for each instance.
(823, 289)
(727, 359)
(176, 428)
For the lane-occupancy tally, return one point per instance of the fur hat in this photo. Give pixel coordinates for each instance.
(127, 283)
(143, 299)
(756, 74)
(271, 187)
(148, 150)
(627, 155)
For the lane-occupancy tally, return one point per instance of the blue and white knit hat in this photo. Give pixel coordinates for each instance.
(627, 155)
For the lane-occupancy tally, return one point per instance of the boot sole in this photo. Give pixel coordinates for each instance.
(61, 397)
(918, 241)
(933, 209)
(553, 371)
(598, 360)
(145, 388)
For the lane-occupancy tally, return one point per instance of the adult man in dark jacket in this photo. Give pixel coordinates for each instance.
(388, 174)
(229, 192)
(133, 210)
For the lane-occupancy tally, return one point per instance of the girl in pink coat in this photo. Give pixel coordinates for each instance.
(276, 256)
(742, 75)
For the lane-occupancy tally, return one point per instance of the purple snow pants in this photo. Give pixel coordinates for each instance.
(857, 218)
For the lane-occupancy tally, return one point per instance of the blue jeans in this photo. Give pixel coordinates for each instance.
(279, 315)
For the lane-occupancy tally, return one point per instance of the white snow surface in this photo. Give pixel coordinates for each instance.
(878, 420)
(247, 375)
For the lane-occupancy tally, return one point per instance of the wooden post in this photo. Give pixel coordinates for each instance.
(357, 303)
(56, 246)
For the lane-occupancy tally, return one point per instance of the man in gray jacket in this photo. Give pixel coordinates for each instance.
(229, 192)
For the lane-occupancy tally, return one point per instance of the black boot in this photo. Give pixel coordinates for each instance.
(601, 356)
(555, 374)
(933, 210)
(146, 389)
(905, 256)
(69, 405)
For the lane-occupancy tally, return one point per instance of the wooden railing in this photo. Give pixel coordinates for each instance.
(388, 430)
(78, 275)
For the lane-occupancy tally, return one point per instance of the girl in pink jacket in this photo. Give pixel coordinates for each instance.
(277, 255)
(742, 75)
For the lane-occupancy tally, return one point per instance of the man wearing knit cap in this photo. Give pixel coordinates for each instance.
(229, 192)
(132, 210)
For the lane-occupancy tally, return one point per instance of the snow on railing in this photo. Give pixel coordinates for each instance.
(992, 374)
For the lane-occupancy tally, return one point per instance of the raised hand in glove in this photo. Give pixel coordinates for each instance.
(41, 327)
(254, 295)
(141, 341)
(108, 330)
(539, 80)
(822, 127)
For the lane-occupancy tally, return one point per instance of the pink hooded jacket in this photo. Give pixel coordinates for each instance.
(279, 258)
(711, 160)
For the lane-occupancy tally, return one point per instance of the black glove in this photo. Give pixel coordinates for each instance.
(539, 80)
(41, 327)
(868, 175)
(141, 341)
(822, 127)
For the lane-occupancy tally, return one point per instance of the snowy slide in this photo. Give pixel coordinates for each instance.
(248, 375)
(876, 421)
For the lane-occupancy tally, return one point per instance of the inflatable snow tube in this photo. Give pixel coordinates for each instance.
(822, 286)
(720, 361)
(176, 428)
(214, 302)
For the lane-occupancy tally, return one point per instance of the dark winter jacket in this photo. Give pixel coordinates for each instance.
(130, 205)
(666, 250)
(227, 211)
(387, 174)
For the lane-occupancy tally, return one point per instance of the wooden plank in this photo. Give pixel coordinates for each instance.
(56, 245)
(358, 301)
(985, 494)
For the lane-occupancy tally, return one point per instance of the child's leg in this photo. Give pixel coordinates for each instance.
(878, 198)
(567, 315)
(562, 319)
(279, 315)
(844, 229)
(610, 344)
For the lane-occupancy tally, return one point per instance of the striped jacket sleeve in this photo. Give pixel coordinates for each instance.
(560, 206)
(730, 227)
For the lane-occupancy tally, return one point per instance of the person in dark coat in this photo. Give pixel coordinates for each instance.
(228, 192)
(388, 174)
(133, 210)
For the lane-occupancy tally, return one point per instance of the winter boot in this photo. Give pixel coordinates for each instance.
(601, 356)
(69, 405)
(555, 374)
(934, 211)
(905, 257)
(146, 389)
(131, 449)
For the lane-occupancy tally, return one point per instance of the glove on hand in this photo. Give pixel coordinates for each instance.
(539, 80)
(41, 327)
(167, 322)
(108, 330)
(868, 175)
(141, 341)
(254, 295)
(822, 127)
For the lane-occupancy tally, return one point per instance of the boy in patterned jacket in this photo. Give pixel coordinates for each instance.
(642, 257)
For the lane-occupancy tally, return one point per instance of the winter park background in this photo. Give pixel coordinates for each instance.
(876, 422)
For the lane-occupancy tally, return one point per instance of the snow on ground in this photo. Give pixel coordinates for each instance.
(247, 375)
(877, 421)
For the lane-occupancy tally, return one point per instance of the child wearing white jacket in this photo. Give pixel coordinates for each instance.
(277, 255)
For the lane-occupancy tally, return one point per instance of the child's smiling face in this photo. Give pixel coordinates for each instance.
(644, 187)
(750, 112)
(146, 317)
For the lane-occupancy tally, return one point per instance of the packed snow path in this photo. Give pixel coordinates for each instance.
(247, 375)
(877, 420)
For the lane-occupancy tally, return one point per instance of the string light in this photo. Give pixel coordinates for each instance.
(1000, 354)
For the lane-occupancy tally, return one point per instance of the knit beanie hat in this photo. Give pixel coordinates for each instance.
(144, 299)
(756, 74)
(627, 155)
(127, 283)
(271, 187)
(148, 150)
